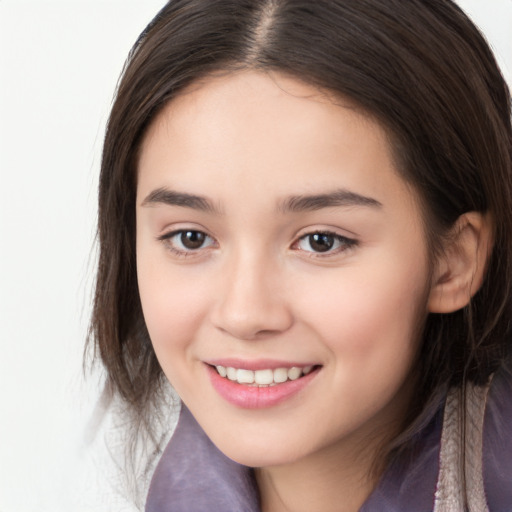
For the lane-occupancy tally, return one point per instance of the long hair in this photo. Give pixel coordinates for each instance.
(420, 68)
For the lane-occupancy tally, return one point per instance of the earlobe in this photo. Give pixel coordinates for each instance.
(460, 269)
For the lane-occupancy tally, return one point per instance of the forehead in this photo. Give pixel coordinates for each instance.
(252, 131)
(273, 95)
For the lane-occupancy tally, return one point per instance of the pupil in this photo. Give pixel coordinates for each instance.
(192, 239)
(320, 242)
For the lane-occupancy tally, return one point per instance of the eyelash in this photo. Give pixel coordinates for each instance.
(186, 252)
(344, 243)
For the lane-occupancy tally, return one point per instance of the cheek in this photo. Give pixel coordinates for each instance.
(173, 302)
(369, 326)
(370, 317)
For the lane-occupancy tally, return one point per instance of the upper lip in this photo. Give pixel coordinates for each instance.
(258, 364)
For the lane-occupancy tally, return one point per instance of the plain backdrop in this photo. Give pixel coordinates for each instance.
(59, 64)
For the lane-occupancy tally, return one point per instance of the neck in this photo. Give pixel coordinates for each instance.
(337, 481)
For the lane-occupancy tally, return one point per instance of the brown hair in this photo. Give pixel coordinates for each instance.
(420, 67)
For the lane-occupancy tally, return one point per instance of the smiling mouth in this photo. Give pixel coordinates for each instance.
(263, 378)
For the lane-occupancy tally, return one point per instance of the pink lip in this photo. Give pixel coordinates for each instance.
(254, 397)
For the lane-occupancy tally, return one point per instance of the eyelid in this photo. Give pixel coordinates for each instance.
(179, 227)
(166, 239)
(347, 243)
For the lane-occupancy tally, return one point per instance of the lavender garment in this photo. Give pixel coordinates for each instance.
(194, 476)
(497, 449)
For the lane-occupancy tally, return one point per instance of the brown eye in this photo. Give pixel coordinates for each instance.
(325, 242)
(192, 239)
(321, 242)
(187, 241)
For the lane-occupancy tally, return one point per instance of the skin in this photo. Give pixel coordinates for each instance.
(256, 289)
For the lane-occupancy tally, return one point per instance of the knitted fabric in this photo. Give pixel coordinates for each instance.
(461, 452)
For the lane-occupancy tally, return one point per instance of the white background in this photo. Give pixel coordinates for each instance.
(59, 63)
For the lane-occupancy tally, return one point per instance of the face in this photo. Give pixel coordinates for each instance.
(282, 267)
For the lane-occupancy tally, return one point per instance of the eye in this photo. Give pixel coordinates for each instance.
(186, 241)
(324, 242)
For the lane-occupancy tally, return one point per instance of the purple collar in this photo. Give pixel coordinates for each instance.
(194, 476)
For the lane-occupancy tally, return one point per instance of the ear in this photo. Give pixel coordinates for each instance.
(460, 269)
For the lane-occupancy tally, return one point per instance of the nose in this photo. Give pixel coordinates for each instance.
(251, 302)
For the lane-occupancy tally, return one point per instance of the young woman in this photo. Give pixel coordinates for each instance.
(304, 225)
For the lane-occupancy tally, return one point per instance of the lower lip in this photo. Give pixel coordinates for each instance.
(256, 397)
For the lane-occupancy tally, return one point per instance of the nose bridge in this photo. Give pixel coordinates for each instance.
(251, 302)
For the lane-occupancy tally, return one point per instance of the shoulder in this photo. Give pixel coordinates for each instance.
(432, 478)
(497, 443)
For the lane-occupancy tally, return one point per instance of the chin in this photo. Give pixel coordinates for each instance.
(261, 453)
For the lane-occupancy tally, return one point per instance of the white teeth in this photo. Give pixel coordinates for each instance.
(263, 377)
(294, 373)
(245, 376)
(280, 375)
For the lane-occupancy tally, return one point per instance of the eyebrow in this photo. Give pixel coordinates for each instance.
(340, 197)
(296, 204)
(173, 198)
